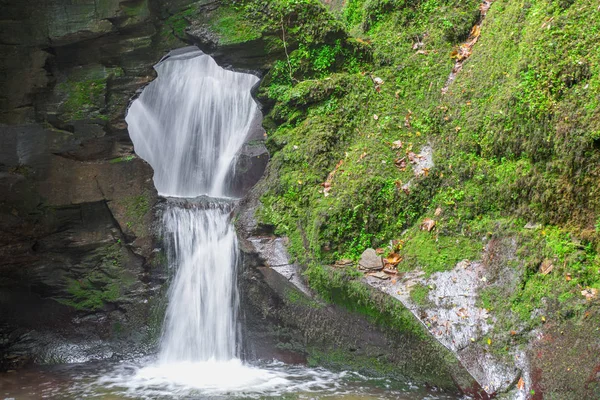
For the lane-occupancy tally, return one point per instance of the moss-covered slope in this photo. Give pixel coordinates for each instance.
(515, 139)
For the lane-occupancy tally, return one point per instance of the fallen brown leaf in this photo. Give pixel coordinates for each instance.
(427, 225)
(546, 267)
(401, 163)
(590, 293)
(393, 259)
(407, 119)
(462, 312)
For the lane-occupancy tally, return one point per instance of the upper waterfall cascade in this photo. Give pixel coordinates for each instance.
(190, 124)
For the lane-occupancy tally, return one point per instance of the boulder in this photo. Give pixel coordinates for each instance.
(370, 260)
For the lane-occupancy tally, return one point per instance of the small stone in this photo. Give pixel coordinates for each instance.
(343, 263)
(378, 81)
(370, 260)
(380, 275)
(531, 225)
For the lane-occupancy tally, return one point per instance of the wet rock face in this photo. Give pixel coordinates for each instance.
(78, 275)
(77, 241)
(252, 160)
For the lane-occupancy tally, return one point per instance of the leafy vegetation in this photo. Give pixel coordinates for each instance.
(515, 140)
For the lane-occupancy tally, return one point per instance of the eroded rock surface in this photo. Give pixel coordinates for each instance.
(77, 209)
(78, 274)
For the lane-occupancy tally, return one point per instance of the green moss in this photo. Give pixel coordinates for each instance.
(419, 294)
(343, 288)
(433, 252)
(515, 140)
(294, 296)
(340, 359)
(536, 298)
(83, 97)
(232, 26)
(84, 93)
(122, 159)
(100, 285)
(136, 208)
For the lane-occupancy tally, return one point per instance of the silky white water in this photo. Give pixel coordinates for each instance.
(190, 123)
(201, 318)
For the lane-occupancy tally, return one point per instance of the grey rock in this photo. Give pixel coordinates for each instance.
(380, 275)
(454, 317)
(532, 225)
(370, 260)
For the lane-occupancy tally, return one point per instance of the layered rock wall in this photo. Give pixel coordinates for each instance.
(78, 276)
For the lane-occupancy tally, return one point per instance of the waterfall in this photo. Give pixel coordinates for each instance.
(189, 124)
(201, 314)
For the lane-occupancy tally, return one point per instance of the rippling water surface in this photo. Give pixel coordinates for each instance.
(202, 380)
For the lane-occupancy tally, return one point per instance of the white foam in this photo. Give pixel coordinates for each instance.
(218, 378)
